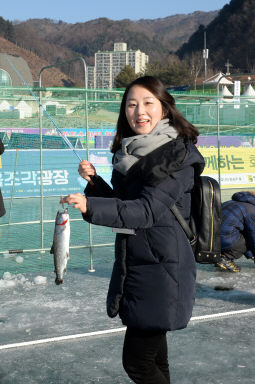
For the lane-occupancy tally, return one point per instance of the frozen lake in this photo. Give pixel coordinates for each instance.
(33, 308)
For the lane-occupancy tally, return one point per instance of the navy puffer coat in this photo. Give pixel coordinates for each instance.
(153, 279)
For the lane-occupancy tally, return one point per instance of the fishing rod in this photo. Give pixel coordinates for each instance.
(69, 145)
(46, 112)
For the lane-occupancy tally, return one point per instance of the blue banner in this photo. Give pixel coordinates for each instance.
(20, 175)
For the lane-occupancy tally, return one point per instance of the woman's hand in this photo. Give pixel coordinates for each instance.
(86, 169)
(77, 199)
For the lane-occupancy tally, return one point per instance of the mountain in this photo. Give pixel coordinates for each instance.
(43, 41)
(51, 77)
(6, 29)
(229, 36)
(155, 37)
(27, 37)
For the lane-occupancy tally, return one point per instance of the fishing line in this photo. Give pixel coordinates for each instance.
(44, 110)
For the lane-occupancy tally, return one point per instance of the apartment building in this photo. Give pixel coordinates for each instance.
(91, 76)
(108, 64)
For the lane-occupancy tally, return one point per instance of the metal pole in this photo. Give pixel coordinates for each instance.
(40, 82)
(85, 89)
(91, 268)
(13, 185)
(218, 121)
(205, 55)
(40, 111)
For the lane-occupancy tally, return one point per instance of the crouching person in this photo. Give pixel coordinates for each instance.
(238, 230)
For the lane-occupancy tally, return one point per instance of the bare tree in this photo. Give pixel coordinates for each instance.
(194, 63)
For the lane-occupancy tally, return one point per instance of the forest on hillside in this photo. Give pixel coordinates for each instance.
(174, 44)
(230, 36)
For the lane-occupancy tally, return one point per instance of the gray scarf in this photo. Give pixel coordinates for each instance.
(135, 147)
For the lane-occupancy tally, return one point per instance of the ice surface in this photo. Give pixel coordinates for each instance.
(33, 307)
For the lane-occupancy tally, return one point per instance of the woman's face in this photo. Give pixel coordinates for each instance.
(143, 110)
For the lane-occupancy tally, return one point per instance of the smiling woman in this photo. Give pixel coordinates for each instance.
(155, 162)
(143, 110)
(147, 101)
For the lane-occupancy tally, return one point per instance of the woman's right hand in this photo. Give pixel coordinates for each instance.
(77, 199)
(86, 170)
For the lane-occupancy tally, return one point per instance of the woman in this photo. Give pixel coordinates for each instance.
(152, 286)
(2, 208)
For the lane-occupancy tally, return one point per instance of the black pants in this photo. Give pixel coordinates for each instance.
(236, 251)
(145, 357)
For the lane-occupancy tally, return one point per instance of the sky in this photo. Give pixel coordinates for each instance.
(84, 10)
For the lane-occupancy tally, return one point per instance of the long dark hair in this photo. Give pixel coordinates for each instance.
(156, 87)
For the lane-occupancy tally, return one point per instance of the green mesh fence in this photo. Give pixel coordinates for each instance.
(234, 118)
(33, 141)
(26, 231)
(18, 109)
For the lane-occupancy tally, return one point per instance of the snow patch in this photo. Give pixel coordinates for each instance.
(19, 259)
(40, 280)
(9, 280)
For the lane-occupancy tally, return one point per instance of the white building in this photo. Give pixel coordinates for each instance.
(108, 64)
(5, 106)
(25, 110)
(91, 76)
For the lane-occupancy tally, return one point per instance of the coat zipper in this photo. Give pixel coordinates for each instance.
(212, 218)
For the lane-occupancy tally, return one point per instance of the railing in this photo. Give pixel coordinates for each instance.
(226, 126)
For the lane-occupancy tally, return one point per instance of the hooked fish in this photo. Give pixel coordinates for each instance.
(60, 246)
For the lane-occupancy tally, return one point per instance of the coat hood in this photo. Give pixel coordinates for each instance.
(244, 197)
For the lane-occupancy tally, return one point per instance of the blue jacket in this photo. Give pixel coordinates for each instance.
(238, 218)
(153, 279)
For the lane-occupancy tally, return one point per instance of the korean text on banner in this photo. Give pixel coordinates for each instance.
(237, 166)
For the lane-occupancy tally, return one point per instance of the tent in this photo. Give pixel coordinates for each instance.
(250, 93)
(218, 77)
(24, 109)
(5, 106)
(225, 92)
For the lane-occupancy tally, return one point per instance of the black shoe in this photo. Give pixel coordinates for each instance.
(228, 265)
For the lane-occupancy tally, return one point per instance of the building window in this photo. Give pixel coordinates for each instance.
(5, 79)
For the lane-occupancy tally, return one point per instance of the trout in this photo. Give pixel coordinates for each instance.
(60, 246)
